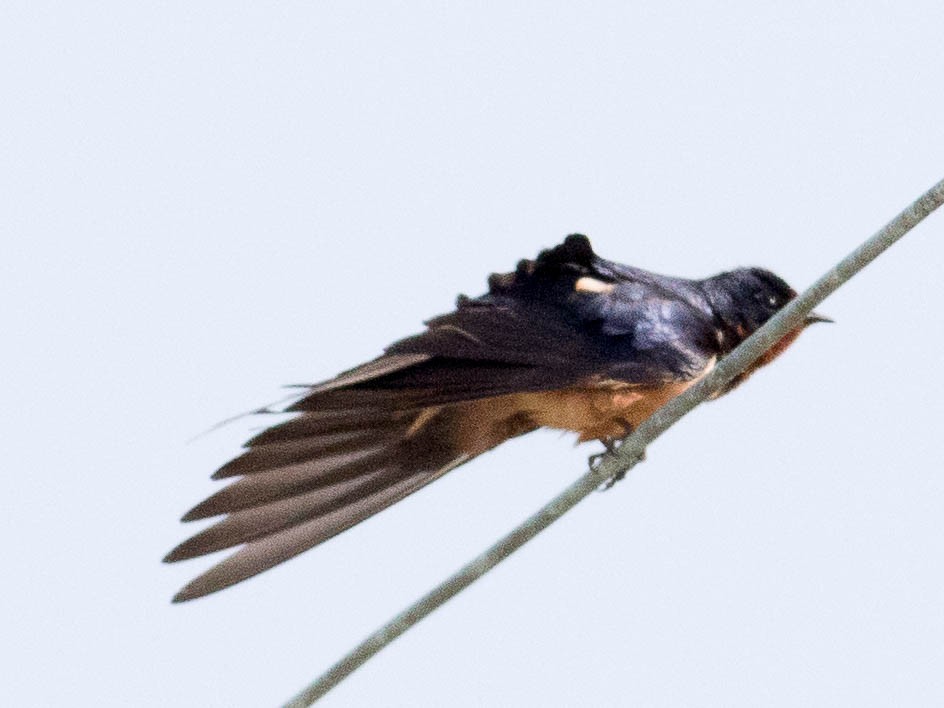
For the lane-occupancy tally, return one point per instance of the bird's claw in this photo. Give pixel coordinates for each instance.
(611, 445)
(619, 476)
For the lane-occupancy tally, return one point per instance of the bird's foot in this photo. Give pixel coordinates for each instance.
(611, 445)
(619, 476)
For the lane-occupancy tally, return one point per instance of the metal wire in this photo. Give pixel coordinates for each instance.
(632, 449)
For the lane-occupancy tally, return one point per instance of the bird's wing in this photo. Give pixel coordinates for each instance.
(381, 431)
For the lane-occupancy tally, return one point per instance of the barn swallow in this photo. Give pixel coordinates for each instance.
(568, 341)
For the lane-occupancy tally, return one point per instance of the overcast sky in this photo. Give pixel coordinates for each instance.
(201, 202)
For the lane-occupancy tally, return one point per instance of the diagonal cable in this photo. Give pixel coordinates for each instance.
(633, 447)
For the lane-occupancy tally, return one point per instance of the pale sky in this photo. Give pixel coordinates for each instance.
(200, 203)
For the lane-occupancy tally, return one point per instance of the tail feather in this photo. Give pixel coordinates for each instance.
(295, 495)
(268, 551)
(327, 422)
(331, 451)
(261, 488)
(265, 519)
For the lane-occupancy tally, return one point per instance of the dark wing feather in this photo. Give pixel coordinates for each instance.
(488, 347)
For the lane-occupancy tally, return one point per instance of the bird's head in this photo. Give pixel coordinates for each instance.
(743, 300)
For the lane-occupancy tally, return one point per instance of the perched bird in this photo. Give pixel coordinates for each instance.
(568, 341)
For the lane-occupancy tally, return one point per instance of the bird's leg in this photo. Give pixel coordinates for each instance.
(612, 444)
(595, 459)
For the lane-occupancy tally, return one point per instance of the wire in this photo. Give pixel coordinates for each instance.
(633, 447)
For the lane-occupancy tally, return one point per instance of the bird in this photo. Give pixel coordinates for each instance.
(567, 340)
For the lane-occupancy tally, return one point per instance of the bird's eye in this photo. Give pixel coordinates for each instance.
(770, 300)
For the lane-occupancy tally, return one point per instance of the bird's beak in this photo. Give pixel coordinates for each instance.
(816, 317)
